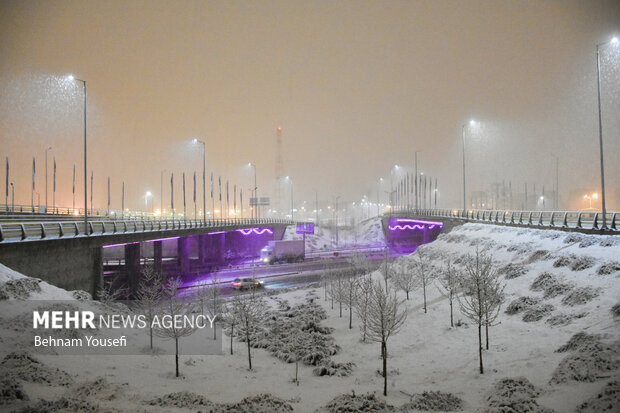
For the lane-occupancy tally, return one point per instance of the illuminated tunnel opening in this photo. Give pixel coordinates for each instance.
(405, 235)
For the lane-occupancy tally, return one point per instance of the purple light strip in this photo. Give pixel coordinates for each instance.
(162, 239)
(257, 231)
(217, 232)
(418, 221)
(404, 227)
(119, 245)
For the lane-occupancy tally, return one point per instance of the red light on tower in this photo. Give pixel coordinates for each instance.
(279, 128)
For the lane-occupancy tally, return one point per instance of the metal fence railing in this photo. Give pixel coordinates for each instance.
(550, 219)
(32, 230)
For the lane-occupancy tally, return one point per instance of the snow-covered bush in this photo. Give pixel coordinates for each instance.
(81, 295)
(579, 341)
(582, 263)
(539, 255)
(572, 238)
(184, 400)
(563, 261)
(609, 242)
(585, 366)
(21, 365)
(11, 391)
(331, 368)
(365, 403)
(588, 242)
(64, 404)
(511, 271)
(538, 312)
(563, 319)
(99, 388)
(260, 403)
(580, 296)
(550, 286)
(606, 401)
(434, 401)
(521, 304)
(590, 360)
(294, 332)
(609, 268)
(515, 395)
(19, 288)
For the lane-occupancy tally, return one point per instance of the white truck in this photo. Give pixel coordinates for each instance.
(287, 251)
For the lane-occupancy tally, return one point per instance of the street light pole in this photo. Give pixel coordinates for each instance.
(12, 197)
(472, 123)
(46, 151)
(600, 127)
(255, 210)
(464, 191)
(204, 179)
(71, 77)
(337, 198)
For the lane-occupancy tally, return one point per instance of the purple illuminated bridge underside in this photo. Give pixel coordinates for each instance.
(403, 224)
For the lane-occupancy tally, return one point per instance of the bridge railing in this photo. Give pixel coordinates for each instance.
(30, 231)
(552, 219)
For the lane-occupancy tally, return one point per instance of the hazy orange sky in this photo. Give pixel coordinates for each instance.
(357, 86)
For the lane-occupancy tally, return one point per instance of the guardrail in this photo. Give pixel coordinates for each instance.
(550, 219)
(31, 231)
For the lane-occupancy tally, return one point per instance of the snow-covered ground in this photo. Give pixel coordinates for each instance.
(582, 285)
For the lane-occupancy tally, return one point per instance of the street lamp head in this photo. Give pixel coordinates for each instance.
(472, 122)
(195, 140)
(614, 40)
(595, 196)
(71, 77)
(148, 193)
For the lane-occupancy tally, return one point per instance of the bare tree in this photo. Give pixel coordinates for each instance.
(230, 319)
(149, 295)
(494, 296)
(214, 304)
(326, 276)
(405, 278)
(248, 309)
(362, 302)
(296, 340)
(482, 295)
(386, 315)
(449, 285)
(350, 284)
(424, 272)
(174, 306)
(386, 267)
(337, 289)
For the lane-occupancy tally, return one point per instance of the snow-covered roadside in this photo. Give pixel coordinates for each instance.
(426, 355)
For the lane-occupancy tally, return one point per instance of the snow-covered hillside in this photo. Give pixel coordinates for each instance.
(561, 288)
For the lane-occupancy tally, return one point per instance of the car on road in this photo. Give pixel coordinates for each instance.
(246, 283)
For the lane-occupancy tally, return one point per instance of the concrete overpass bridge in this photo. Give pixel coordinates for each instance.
(589, 222)
(71, 255)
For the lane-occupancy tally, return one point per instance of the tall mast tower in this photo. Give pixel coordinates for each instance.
(279, 166)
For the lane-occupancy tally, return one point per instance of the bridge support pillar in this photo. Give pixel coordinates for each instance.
(427, 235)
(132, 266)
(97, 271)
(183, 254)
(222, 248)
(202, 246)
(158, 256)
